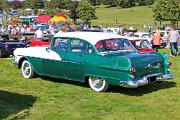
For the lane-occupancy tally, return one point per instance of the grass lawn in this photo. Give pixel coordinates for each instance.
(135, 16)
(46, 98)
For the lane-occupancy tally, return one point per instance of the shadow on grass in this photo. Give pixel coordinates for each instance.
(57, 80)
(140, 91)
(149, 88)
(13, 103)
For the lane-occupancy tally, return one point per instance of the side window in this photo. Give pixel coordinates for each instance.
(78, 46)
(61, 44)
(90, 49)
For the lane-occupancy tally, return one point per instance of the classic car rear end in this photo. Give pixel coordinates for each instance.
(147, 68)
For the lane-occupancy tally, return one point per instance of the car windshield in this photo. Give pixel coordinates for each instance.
(114, 45)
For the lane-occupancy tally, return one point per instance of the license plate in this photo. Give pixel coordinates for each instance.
(152, 79)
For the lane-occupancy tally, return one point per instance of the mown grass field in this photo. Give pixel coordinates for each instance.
(46, 98)
(136, 16)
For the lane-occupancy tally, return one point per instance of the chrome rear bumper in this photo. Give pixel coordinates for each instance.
(145, 80)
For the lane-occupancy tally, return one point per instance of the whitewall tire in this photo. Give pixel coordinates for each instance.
(98, 84)
(27, 70)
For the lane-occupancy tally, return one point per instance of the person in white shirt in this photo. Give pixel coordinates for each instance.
(173, 38)
(38, 34)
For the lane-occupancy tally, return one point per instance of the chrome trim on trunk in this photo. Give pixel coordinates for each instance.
(144, 80)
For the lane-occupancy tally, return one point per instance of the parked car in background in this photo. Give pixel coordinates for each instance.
(144, 35)
(113, 30)
(142, 45)
(7, 45)
(92, 30)
(31, 41)
(1, 12)
(36, 42)
(43, 28)
(13, 13)
(101, 59)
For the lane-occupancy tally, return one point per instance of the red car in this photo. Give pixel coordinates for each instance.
(142, 45)
(36, 42)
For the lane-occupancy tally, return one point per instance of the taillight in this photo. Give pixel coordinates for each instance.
(132, 70)
(169, 64)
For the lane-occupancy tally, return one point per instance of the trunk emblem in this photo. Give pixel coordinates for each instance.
(149, 66)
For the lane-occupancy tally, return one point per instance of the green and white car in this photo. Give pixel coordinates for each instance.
(101, 59)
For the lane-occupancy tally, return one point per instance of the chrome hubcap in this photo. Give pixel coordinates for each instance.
(26, 69)
(97, 82)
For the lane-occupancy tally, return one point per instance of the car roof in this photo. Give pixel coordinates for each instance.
(136, 38)
(91, 37)
(141, 33)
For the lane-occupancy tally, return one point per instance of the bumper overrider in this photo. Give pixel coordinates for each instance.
(145, 80)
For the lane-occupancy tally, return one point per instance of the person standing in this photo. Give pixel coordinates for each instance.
(14, 32)
(173, 39)
(156, 40)
(38, 34)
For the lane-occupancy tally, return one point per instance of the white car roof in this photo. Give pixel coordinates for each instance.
(141, 33)
(136, 38)
(91, 37)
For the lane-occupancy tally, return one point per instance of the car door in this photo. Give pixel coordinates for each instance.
(75, 60)
(54, 64)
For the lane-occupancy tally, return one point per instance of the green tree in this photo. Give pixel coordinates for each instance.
(5, 5)
(16, 4)
(110, 3)
(126, 3)
(64, 4)
(73, 12)
(50, 12)
(39, 4)
(33, 4)
(86, 11)
(95, 2)
(27, 4)
(167, 10)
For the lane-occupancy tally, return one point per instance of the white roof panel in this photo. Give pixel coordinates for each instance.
(91, 37)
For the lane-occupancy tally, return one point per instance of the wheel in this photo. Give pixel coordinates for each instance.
(27, 70)
(98, 84)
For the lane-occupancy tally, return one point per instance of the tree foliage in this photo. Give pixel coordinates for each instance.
(95, 2)
(16, 4)
(5, 5)
(145, 2)
(86, 11)
(167, 10)
(73, 11)
(39, 4)
(27, 4)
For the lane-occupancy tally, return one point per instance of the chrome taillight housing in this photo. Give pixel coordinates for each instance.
(132, 70)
